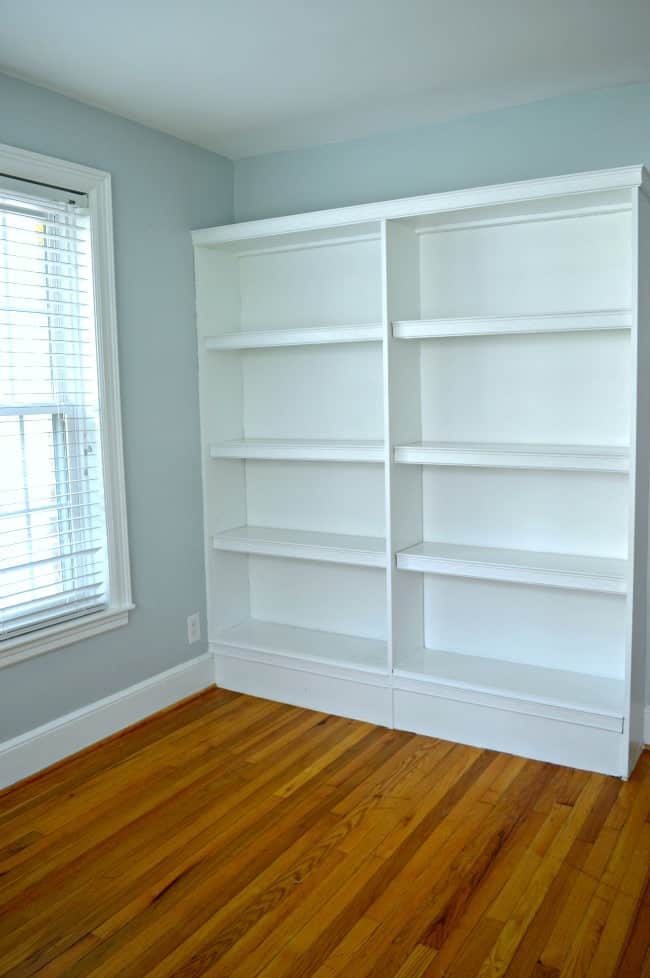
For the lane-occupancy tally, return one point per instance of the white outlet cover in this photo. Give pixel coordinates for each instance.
(193, 628)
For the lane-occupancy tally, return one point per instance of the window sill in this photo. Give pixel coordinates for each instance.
(47, 639)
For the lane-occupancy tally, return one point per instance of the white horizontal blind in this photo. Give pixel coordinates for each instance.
(53, 549)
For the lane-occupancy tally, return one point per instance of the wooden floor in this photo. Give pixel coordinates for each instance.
(237, 837)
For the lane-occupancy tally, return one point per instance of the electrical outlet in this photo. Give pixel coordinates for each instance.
(193, 628)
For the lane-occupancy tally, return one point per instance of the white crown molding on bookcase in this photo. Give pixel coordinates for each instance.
(25, 165)
(619, 178)
(37, 749)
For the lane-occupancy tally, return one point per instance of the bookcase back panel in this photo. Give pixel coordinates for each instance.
(314, 392)
(331, 284)
(559, 512)
(545, 266)
(329, 597)
(568, 389)
(551, 627)
(332, 498)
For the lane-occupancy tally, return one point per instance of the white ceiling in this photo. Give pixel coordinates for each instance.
(251, 76)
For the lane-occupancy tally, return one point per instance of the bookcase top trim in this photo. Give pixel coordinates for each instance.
(620, 178)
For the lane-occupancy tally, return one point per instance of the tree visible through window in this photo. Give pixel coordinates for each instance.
(53, 562)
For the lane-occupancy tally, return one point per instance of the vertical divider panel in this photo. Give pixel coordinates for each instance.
(637, 599)
(403, 424)
(221, 409)
(385, 344)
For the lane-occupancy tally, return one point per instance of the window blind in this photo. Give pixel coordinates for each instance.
(53, 548)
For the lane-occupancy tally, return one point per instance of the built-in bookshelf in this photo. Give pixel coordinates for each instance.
(425, 462)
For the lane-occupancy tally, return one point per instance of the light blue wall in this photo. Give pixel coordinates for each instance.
(161, 189)
(562, 135)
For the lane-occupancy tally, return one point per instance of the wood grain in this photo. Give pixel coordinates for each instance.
(231, 837)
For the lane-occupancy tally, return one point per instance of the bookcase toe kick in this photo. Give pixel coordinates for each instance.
(534, 712)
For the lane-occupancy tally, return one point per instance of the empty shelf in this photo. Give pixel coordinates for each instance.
(586, 458)
(295, 450)
(494, 325)
(328, 648)
(309, 336)
(605, 574)
(332, 548)
(558, 693)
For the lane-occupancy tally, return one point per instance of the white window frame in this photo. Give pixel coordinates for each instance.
(24, 165)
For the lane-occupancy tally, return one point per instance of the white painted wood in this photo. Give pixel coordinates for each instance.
(356, 694)
(310, 336)
(495, 728)
(221, 405)
(420, 329)
(547, 388)
(638, 605)
(403, 421)
(308, 645)
(604, 574)
(533, 269)
(620, 178)
(65, 633)
(333, 548)
(508, 436)
(297, 242)
(338, 598)
(573, 512)
(590, 458)
(552, 628)
(322, 279)
(300, 497)
(38, 748)
(574, 207)
(594, 701)
(313, 392)
(295, 450)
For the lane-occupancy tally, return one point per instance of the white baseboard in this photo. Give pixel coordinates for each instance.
(646, 727)
(38, 748)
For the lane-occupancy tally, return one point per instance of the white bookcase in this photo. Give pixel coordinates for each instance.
(425, 430)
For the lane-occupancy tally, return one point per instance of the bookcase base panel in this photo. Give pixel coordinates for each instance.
(378, 699)
(540, 738)
(300, 682)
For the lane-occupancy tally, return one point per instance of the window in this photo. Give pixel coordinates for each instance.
(63, 554)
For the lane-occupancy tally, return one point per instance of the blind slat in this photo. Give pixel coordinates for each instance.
(79, 583)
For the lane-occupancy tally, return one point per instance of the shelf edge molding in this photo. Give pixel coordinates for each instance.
(309, 336)
(600, 574)
(577, 458)
(330, 548)
(589, 320)
(297, 450)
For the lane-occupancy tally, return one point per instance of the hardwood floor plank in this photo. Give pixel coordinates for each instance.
(233, 837)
